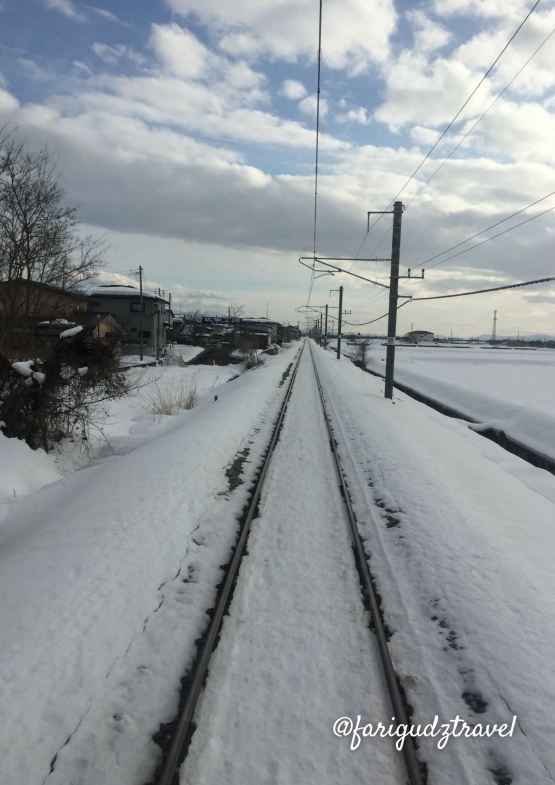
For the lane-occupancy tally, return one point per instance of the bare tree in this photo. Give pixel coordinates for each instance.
(361, 351)
(236, 311)
(43, 260)
(192, 324)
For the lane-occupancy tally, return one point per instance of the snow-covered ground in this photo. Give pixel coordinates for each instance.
(506, 389)
(462, 544)
(188, 353)
(105, 577)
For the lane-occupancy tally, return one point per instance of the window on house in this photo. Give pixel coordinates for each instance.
(136, 307)
(146, 333)
(133, 329)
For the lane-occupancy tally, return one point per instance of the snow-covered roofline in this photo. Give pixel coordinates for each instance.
(116, 290)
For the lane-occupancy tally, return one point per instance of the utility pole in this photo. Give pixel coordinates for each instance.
(393, 292)
(494, 331)
(326, 329)
(170, 320)
(141, 306)
(339, 321)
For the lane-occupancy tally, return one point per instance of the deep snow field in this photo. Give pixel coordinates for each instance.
(507, 389)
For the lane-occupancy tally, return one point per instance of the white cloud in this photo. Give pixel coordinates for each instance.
(67, 8)
(109, 16)
(109, 54)
(308, 106)
(113, 54)
(357, 115)
(428, 35)
(481, 8)
(180, 52)
(34, 70)
(8, 104)
(293, 89)
(288, 29)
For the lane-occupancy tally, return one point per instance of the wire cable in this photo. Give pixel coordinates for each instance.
(483, 291)
(317, 147)
(499, 234)
(468, 239)
(458, 294)
(492, 66)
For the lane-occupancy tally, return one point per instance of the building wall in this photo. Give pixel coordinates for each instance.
(125, 310)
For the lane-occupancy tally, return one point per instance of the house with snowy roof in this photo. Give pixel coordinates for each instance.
(124, 304)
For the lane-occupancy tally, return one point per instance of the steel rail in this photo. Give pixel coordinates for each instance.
(409, 751)
(173, 761)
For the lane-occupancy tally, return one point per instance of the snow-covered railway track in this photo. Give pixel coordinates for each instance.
(367, 582)
(184, 727)
(296, 652)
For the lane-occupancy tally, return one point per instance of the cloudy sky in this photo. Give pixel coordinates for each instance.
(185, 134)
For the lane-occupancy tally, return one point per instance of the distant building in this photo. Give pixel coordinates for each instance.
(419, 336)
(123, 303)
(274, 329)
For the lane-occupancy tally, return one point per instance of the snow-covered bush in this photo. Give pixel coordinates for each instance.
(43, 401)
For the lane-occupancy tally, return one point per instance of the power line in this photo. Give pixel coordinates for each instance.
(317, 146)
(468, 239)
(510, 229)
(458, 294)
(483, 291)
(482, 115)
(450, 124)
(482, 80)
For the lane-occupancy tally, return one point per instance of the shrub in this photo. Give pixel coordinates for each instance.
(43, 401)
(175, 397)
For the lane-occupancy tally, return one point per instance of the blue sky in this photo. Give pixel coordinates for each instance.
(185, 134)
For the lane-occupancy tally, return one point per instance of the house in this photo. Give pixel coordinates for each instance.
(263, 325)
(419, 336)
(291, 333)
(25, 303)
(124, 304)
(100, 325)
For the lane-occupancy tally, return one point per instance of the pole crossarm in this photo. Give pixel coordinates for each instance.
(340, 270)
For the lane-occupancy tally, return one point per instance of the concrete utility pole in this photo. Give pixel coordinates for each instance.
(326, 329)
(339, 322)
(393, 297)
(494, 330)
(141, 306)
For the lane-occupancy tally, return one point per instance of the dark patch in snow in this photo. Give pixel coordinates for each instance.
(234, 471)
(474, 701)
(501, 775)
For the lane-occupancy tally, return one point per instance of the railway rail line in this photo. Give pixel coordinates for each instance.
(347, 533)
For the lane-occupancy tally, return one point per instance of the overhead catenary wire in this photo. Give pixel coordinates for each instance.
(482, 80)
(487, 229)
(436, 143)
(466, 135)
(317, 147)
(457, 294)
(493, 237)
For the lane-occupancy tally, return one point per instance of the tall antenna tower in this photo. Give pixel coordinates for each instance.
(494, 330)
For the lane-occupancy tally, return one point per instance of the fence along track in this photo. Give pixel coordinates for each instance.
(409, 752)
(182, 733)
